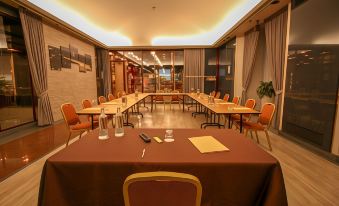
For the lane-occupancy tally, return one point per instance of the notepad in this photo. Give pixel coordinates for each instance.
(241, 108)
(225, 103)
(206, 144)
(110, 103)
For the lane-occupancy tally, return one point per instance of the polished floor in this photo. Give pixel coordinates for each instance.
(309, 179)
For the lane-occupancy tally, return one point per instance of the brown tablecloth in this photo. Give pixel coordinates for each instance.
(92, 171)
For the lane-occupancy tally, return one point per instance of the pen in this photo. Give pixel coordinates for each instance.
(143, 153)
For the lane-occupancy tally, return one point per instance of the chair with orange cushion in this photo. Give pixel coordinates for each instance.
(217, 95)
(159, 98)
(87, 104)
(167, 189)
(102, 99)
(250, 103)
(263, 123)
(72, 121)
(110, 97)
(226, 97)
(236, 99)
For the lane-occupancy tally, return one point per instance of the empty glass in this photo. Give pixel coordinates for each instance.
(169, 136)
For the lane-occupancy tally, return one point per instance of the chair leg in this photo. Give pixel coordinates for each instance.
(268, 140)
(246, 131)
(69, 137)
(80, 134)
(256, 134)
(251, 134)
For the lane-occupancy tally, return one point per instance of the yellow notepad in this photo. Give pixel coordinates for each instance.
(225, 103)
(241, 108)
(207, 144)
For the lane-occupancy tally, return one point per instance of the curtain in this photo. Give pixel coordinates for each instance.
(194, 69)
(104, 70)
(250, 46)
(35, 46)
(275, 32)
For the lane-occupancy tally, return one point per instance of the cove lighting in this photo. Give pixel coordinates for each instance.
(208, 38)
(109, 38)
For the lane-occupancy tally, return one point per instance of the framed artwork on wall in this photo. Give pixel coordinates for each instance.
(74, 53)
(65, 57)
(54, 58)
(88, 62)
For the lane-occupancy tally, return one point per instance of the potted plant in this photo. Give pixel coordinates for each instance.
(266, 92)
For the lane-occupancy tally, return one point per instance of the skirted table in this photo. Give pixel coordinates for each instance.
(92, 171)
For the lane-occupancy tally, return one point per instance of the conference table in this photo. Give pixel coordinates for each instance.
(221, 107)
(92, 171)
(110, 107)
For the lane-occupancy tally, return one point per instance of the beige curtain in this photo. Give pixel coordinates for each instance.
(103, 67)
(35, 46)
(250, 46)
(275, 31)
(194, 69)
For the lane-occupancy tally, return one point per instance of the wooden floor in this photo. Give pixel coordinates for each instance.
(309, 179)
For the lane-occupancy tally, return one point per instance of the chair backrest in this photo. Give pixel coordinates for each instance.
(86, 103)
(250, 103)
(110, 97)
(102, 99)
(226, 97)
(235, 100)
(69, 114)
(267, 112)
(213, 93)
(168, 188)
(121, 93)
(217, 95)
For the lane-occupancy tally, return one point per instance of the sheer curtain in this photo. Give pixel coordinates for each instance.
(104, 70)
(35, 46)
(275, 32)
(194, 69)
(250, 46)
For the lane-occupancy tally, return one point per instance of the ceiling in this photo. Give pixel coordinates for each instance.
(147, 23)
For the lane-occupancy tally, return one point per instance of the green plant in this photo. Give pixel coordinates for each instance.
(265, 89)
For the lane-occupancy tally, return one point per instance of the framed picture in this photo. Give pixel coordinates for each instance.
(65, 57)
(74, 53)
(88, 62)
(54, 58)
(81, 58)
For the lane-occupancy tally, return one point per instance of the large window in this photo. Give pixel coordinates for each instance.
(312, 75)
(149, 71)
(16, 102)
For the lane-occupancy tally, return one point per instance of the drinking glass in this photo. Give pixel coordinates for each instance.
(169, 136)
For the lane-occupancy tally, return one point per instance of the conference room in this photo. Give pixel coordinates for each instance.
(155, 102)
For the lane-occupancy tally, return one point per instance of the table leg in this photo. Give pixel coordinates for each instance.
(92, 120)
(183, 103)
(229, 121)
(151, 103)
(240, 123)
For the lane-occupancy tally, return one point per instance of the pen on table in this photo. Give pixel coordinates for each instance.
(143, 153)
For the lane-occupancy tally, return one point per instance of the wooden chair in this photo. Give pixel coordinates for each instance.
(226, 97)
(217, 95)
(263, 123)
(159, 98)
(102, 99)
(162, 188)
(176, 98)
(88, 104)
(236, 99)
(72, 121)
(110, 97)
